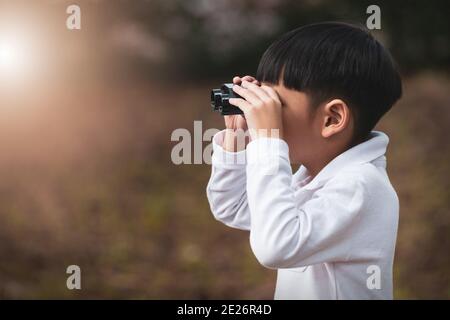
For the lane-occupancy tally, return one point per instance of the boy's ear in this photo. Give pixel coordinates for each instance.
(336, 117)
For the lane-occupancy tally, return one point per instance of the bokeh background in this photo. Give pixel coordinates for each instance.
(86, 117)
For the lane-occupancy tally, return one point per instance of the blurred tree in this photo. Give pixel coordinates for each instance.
(204, 39)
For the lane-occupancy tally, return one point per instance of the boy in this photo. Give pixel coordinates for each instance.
(330, 228)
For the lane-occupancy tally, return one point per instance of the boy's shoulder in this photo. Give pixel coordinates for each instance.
(370, 178)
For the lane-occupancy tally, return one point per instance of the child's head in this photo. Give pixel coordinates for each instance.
(335, 81)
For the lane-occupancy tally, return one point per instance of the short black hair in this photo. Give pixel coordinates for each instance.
(335, 59)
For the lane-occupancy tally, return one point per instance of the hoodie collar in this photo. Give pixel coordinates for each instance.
(372, 149)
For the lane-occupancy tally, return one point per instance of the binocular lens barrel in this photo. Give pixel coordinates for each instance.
(220, 100)
(215, 99)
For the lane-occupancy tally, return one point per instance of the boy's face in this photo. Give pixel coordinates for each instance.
(301, 125)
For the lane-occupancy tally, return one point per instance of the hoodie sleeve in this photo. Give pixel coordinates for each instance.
(285, 234)
(226, 189)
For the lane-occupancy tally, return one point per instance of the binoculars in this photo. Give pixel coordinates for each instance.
(220, 100)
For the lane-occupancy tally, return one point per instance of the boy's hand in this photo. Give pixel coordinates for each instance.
(237, 121)
(262, 109)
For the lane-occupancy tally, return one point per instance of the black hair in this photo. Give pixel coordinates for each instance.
(336, 60)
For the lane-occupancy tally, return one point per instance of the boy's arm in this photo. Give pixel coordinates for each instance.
(284, 235)
(226, 188)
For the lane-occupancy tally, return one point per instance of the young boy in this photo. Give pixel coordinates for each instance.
(330, 228)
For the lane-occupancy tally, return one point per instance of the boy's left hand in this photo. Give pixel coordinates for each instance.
(262, 109)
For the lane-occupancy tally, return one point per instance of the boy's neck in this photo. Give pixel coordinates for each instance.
(317, 164)
(315, 167)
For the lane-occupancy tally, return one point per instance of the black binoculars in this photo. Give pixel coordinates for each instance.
(220, 100)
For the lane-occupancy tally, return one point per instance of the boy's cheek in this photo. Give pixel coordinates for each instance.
(290, 139)
(299, 137)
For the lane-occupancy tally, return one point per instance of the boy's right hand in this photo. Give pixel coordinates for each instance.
(236, 121)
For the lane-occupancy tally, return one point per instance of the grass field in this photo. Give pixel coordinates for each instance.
(86, 179)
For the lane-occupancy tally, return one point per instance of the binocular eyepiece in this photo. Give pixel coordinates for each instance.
(220, 100)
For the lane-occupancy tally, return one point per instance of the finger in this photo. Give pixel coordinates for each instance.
(245, 106)
(256, 90)
(247, 94)
(271, 92)
(250, 79)
(237, 80)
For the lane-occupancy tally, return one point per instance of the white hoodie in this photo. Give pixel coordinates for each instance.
(332, 237)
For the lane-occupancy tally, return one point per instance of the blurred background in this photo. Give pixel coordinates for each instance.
(86, 117)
